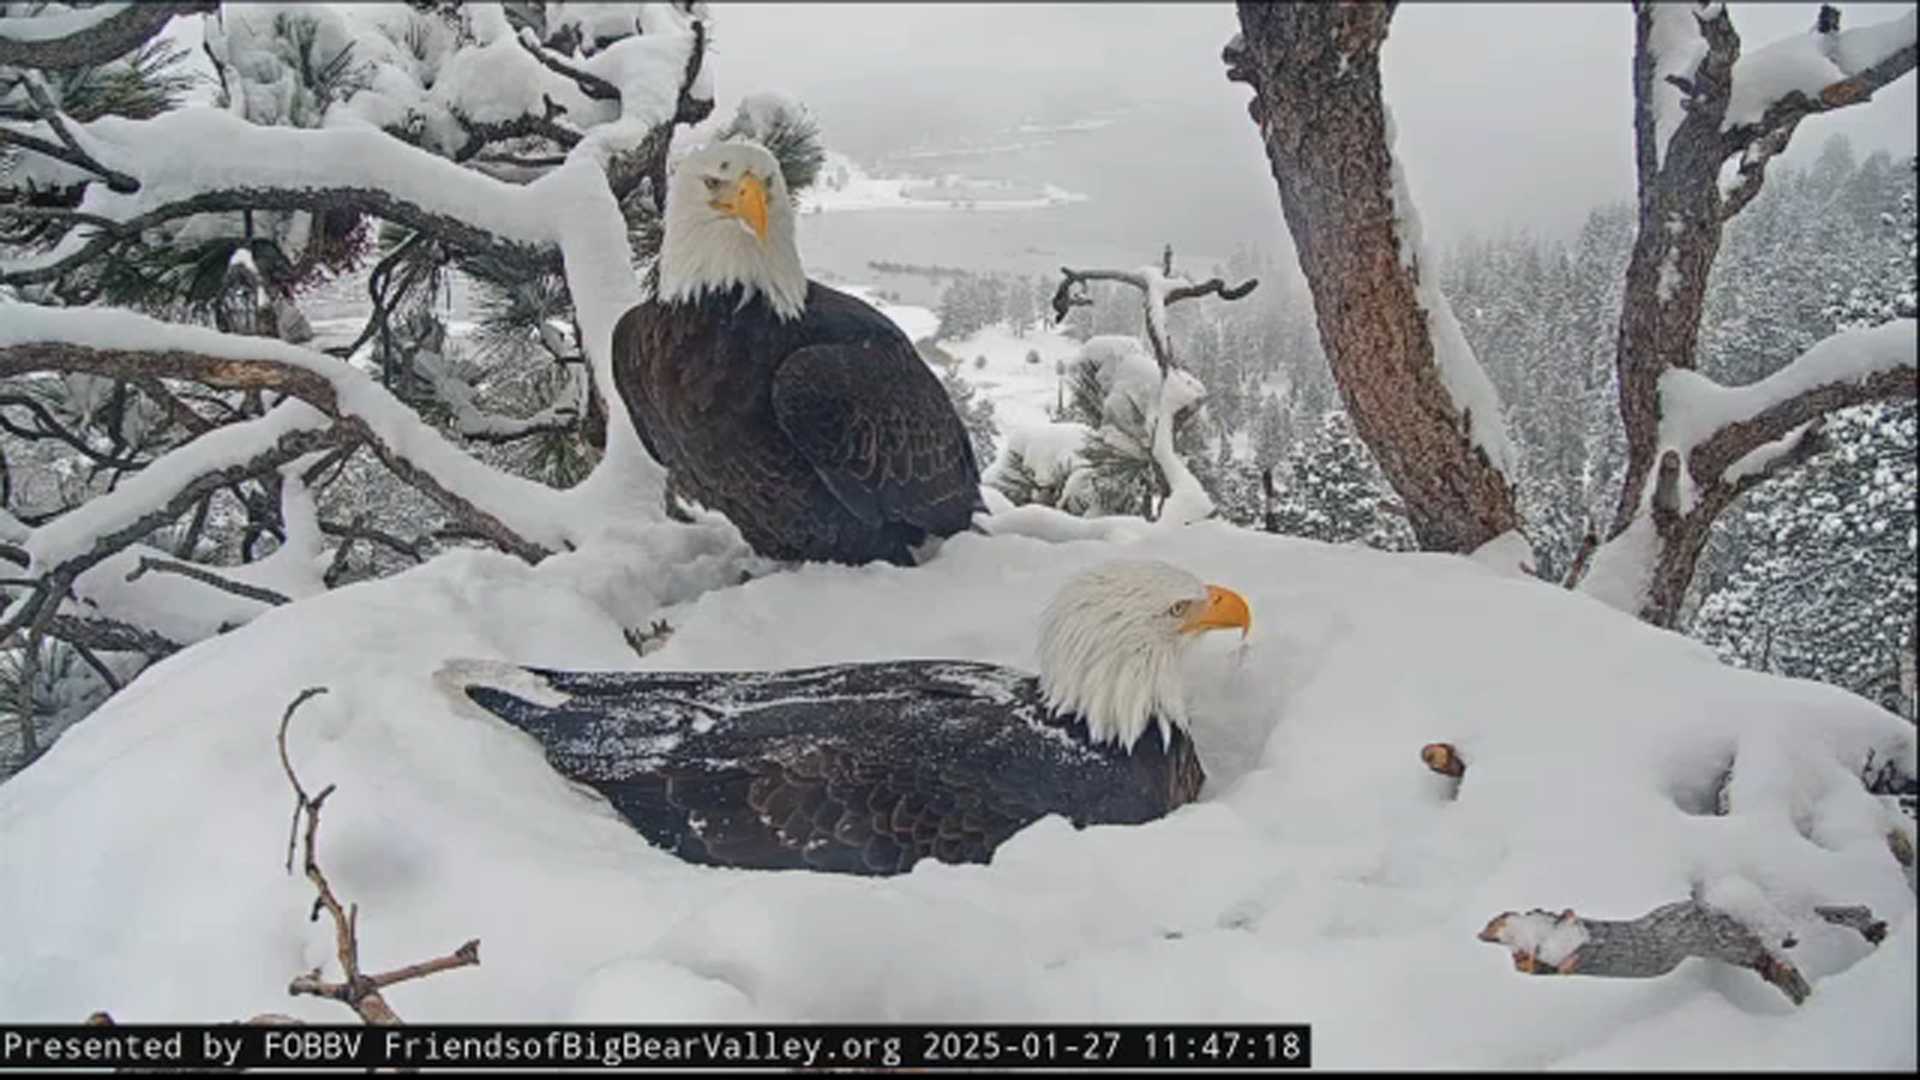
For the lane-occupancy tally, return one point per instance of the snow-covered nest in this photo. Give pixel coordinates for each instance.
(1325, 877)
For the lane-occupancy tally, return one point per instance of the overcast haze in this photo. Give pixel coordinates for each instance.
(1509, 115)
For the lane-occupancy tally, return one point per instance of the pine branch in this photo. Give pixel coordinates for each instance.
(102, 41)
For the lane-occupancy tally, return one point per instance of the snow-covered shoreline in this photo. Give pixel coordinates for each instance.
(843, 186)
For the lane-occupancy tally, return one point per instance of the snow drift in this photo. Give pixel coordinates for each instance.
(1326, 876)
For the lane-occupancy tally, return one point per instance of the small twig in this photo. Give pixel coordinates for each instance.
(206, 577)
(299, 793)
(359, 992)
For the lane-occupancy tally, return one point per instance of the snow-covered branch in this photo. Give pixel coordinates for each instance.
(85, 37)
(516, 515)
(205, 160)
(1159, 288)
(1823, 69)
(1722, 425)
(1717, 441)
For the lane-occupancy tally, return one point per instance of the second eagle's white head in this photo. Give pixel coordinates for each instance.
(1111, 642)
(729, 222)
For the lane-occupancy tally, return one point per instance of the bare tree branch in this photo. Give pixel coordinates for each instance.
(206, 577)
(109, 38)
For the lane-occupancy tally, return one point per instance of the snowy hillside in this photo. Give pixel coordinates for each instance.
(1327, 876)
(1022, 393)
(844, 185)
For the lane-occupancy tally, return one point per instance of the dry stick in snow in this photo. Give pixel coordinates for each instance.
(357, 991)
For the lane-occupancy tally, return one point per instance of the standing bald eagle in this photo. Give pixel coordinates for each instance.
(799, 412)
(868, 768)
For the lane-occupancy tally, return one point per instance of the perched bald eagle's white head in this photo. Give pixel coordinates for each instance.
(1111, 642)
(729, 222)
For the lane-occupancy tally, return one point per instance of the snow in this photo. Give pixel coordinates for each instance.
(1466, 381)
(75, 532)
(1023, 394)
(1050, 450)
(539, 513)
(916, 322)
(1510, 554)
(1694, 407)
(1810, 62)
(844, 185)
(184, 610)
(56, 23)
(1323, 877)
(1677, 46)
(1622, 568)
(1761, 458)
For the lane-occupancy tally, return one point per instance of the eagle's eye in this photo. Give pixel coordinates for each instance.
(1180, 608)
(713, 184)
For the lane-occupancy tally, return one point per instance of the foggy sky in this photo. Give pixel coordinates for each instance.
(1509, 115)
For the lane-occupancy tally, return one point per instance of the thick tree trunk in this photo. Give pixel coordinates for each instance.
(1315, 72)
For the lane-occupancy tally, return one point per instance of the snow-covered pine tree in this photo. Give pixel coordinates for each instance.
(1814, 574)
(495, 143)
(1334, 492)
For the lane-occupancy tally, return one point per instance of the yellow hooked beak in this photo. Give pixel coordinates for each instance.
(1224, 609)
(748, 202)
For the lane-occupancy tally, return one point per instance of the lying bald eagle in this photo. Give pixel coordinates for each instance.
(868, 768)
(799, 412)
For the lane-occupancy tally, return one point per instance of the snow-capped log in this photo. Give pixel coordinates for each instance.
(1418, 395)
(87, 36)
(1699, 105)
(1546, 943)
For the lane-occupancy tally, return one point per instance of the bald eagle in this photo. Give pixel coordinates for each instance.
(801, 413)
(867, 768)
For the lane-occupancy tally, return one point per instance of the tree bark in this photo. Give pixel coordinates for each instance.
(1683, 211)
(1315, 72)
(111, 37)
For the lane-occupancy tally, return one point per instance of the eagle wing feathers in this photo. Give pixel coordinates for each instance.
(877, 427)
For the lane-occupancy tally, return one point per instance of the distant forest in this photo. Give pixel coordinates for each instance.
(1826, 246)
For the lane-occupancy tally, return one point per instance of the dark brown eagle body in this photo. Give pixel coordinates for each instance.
(856, 768)
(823, 437)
